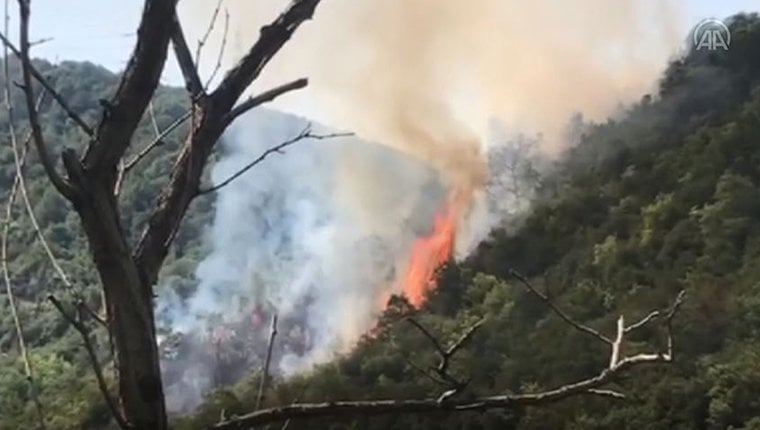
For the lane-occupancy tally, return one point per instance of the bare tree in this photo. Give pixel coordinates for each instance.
(90, 182)
(128, 273)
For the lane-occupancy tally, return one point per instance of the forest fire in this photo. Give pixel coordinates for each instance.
(431, 252)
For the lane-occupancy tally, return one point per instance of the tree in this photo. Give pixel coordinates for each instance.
(91, 182)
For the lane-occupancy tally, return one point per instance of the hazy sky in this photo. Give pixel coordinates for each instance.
(102, 31)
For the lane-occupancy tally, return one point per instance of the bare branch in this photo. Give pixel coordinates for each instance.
(557, 310)
(644, 321)
(304, 134)
(266, 96)
(46, 85)
(441, 370)
(80, 326)
(265, 371)
(271, 38)
(204, 39)
(123, 112)
(424, 372)
(152, 115)
(28, 369)
(617, 343)
(94, 315)
(185, 60)
(446, 404)
(428, 335)
(157, 141)
(18, 158)
(220, 55)
(464, 338)
(669, 322)
(430, 405)
(61, 184)
(40, 41)
(607, 393)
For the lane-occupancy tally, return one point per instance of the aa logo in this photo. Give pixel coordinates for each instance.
(711, 34)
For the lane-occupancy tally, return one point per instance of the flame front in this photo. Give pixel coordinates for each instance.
(431, 252)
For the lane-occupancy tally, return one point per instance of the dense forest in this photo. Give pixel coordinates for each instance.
(661, 198)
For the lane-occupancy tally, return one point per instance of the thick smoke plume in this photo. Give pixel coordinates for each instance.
(415, 73)
(323, 234)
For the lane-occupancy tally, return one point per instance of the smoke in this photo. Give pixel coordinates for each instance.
(320, 234)
(430, 73)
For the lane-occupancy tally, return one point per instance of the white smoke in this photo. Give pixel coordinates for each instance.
(317, 234)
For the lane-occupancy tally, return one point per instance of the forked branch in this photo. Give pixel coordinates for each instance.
(306, 133)
(446, 354)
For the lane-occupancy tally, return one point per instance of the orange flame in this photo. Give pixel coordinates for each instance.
(431, 252)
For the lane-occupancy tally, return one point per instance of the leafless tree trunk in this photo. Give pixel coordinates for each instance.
(128, 275)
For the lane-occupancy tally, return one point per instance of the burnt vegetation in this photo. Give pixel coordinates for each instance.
(640, 247)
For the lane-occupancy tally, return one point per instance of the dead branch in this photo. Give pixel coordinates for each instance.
(122, 114)
(642, 322)
(152, 115)
(265, 371)
(61, 184)
(425, 372)
(617, 343)
(607, 393)
(204, 39)
(442, 370)
(430, 405)
(80, 326)
(46, 85)
(265, 97)
(220, 54)
(28, 369)
(157, 141)
(25, 195)
(304, 134)
(185, 60)
(18, 184)
(428, 335)
(271, 38)
(560, 313)
(445, 403)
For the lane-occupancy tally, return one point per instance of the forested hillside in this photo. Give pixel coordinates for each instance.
(662, 198)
